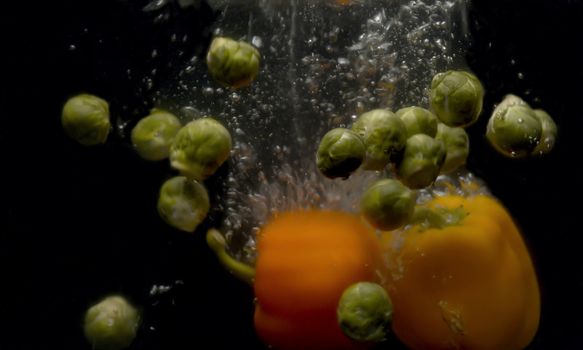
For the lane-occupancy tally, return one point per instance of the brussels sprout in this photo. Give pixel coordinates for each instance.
(457, 147)
(418, 120)
(200, 148)
(85, 119)
(387, 204)
(153, 135)
(422, 161)
(514, 128)
(232, 63)
(183, 203)
(549, 133)
(384, 136)
(456, 98)
(365, 312)
(111, 324)
(340, 153)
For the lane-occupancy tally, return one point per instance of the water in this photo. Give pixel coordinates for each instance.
(323, 64)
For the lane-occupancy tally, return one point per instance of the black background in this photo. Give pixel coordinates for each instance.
(77, 223)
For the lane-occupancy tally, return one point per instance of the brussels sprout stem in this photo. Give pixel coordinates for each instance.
(437, 217)
(217, 243)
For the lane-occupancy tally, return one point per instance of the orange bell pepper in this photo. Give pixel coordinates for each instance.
(305, 261)
(463, 281)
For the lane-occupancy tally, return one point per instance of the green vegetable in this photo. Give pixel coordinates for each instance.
(387, 204)
(85, 118)
(153, 135)
(456, 98)
(384, 136)
(183, 203)
(457, 147)
(421, 162)
(340, 153)
(200, 148)
(514, 129)
(418, 120)
(365, 312)
(111, 324)
(232, 63)
(549, 133)
(216, 241)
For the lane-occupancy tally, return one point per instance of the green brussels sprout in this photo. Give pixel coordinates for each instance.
(457, 147)
(232, 63)
(456, 98)
(384, 136)
(111, 324)
(365, 312)
(85, 118)
(183, 203)
(340, 153)
(200, 148)
(421, 162)
(549, 133)
(418, 120)
(153, 135)
(387, 204)
(514, 128)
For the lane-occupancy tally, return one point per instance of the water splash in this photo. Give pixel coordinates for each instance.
(287, 189)
(156, 5)
(323, 63)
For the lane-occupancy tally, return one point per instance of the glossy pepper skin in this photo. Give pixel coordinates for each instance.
(305, 262)
(468, 284)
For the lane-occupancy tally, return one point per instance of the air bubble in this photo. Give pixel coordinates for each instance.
(343, 61)
(235, 97)
(257, 41)
(208, 91)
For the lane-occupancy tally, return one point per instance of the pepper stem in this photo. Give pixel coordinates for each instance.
(439, 217)
(217, 243)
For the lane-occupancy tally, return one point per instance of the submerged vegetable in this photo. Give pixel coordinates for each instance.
(549, 133)
(457, 147)
(387, 204)
(365, 312)
(153, 135)
(111, 324)
(514, 128)
(418, 120)
(456, 98)
(232, 63)
(305, 262)
(216, 241)
(85, 118)
(421, 162)
(462, 278)
(340, 153)
(200, 148)
(183, 203)
(384, 136)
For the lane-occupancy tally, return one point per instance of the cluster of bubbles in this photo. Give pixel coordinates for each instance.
(323, 64)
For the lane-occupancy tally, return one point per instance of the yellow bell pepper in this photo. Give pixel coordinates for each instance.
(462, 278)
